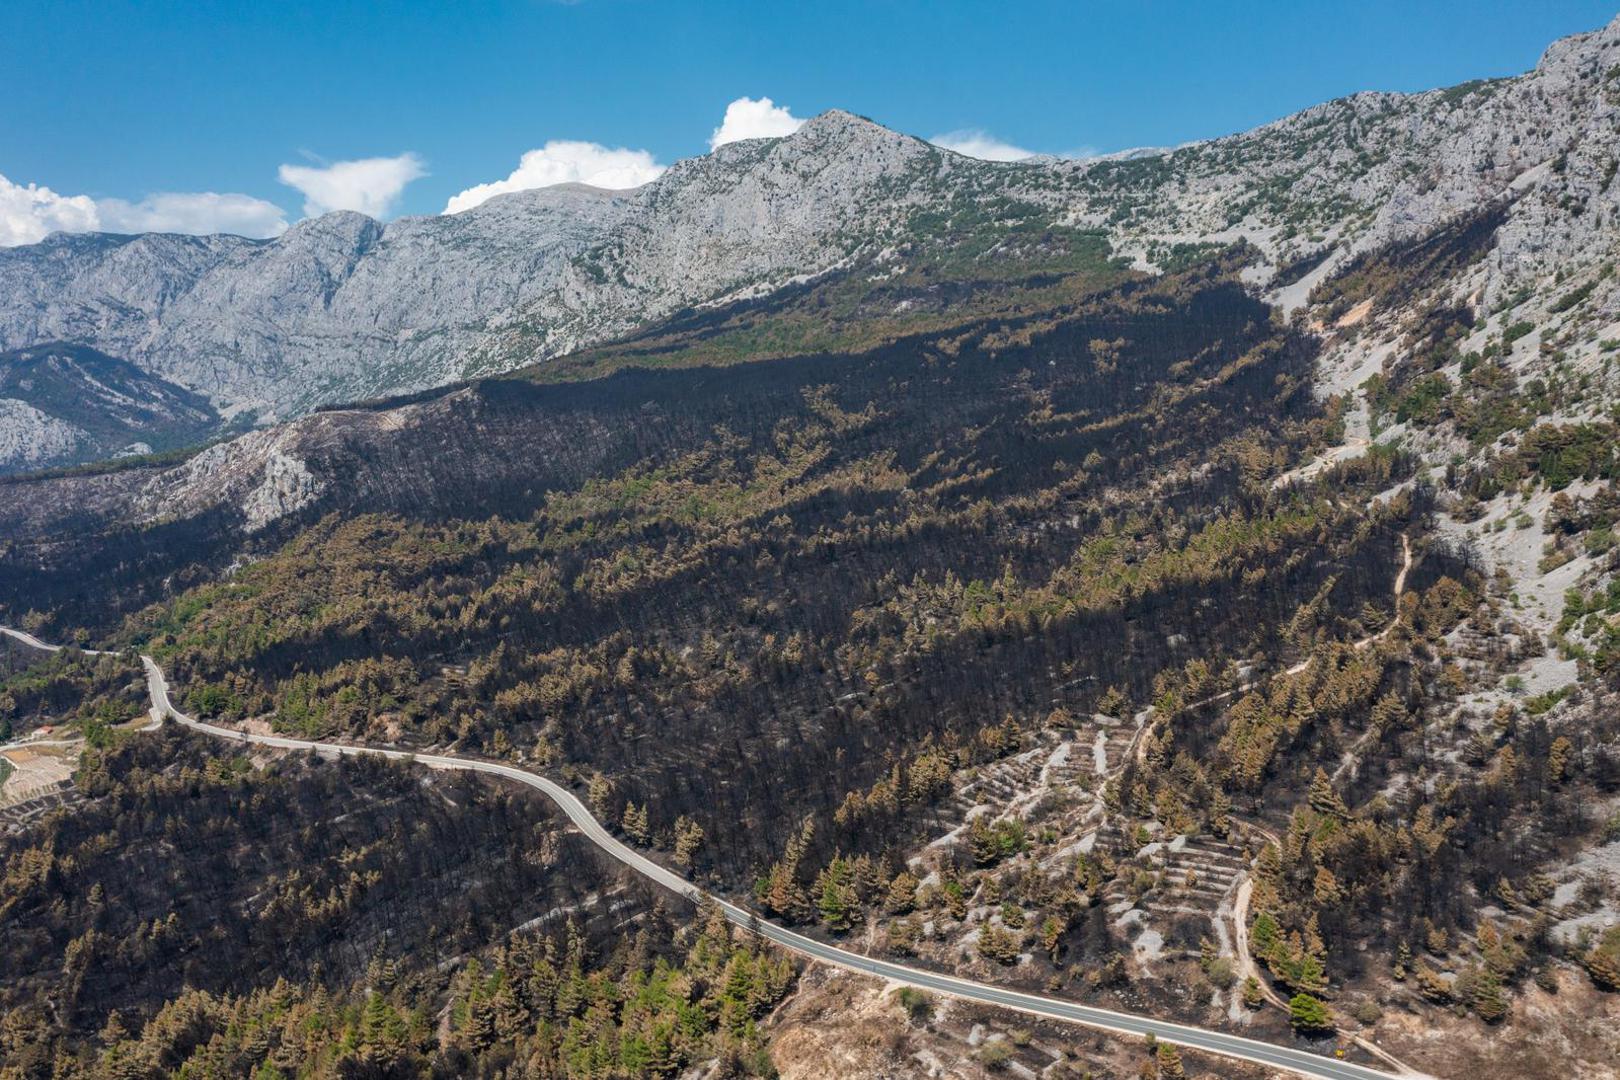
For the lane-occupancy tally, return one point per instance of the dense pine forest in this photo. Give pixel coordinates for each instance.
(205, 914)
(97, 692)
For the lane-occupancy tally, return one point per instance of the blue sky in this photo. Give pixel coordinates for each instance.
(116, 100)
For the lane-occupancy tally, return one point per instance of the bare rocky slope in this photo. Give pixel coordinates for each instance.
(71, 402)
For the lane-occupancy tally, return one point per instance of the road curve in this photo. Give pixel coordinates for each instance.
(1300, 1062)
(29, 639)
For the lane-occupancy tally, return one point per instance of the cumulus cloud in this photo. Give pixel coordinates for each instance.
(371, 186)
(747, 118)
(976, 143)
(30, 213)
(563, 161)
(196, 212)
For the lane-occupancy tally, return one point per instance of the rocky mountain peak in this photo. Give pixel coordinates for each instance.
(1579, 51)
(552, 198)
(839, 140)
(345, 230)
(839, 126)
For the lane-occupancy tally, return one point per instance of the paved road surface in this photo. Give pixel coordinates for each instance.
(1301, 1062)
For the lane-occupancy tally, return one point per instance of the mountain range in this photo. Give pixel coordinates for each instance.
(342, 308)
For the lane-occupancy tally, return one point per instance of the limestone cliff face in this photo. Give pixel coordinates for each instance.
(338, 307)
(1365, 170)
(748, 218)
(30, 438)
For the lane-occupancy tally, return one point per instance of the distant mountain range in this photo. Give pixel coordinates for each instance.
(342, 307)
(65, 402)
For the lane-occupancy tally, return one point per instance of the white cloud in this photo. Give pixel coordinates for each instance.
(563, 161)
(371, 186)
(747, 118)
(197, 213)
(976, 143)
(29, 214)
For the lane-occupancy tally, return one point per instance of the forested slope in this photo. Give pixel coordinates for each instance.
(206, 914)
(1228, 633)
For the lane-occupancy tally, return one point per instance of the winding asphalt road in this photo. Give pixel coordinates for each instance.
(1300, 1062)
